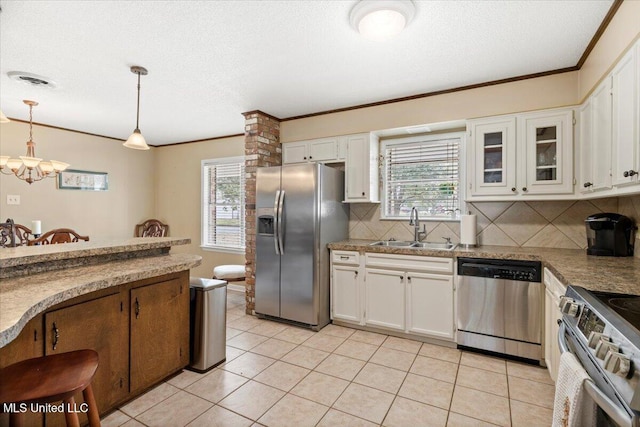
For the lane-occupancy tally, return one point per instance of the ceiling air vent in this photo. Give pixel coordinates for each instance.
(32, 79)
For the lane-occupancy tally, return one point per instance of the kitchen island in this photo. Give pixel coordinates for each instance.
(127, 299)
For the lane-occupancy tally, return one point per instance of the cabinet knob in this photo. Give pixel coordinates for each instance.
(588, 184)
(304, 158)
(629, 173)
(356, 272)
(363, 193)
(524, 189)
(409, 279)
(514, 189)
(310, 157)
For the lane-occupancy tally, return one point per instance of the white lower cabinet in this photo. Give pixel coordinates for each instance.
(430, 304)
(553, 291)
(403, 293)
(385, 298)
(346, 293)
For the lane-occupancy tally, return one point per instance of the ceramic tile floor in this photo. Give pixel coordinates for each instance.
(277, 376)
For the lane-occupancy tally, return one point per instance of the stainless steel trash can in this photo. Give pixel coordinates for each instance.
(208, 323)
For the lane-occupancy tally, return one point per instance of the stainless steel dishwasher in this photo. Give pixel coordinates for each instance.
(500, 306)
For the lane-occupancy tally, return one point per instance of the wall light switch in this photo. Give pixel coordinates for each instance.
(13, 199)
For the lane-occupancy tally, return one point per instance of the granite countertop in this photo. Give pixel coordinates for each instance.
(24, 255)
(22, 298)
(570, 266)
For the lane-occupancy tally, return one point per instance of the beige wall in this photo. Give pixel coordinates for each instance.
(178, 201)
(544, 92)
(622, 31)
(98, 214)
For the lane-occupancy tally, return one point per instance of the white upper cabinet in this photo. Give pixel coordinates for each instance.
(493, 156)
(295, 152)
(595, 140)
(317, 150)
(625, 119)
(361, 169)
(547, 142)
(521, 156)
(323, 150)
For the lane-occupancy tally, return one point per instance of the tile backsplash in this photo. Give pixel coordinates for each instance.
(556, 224)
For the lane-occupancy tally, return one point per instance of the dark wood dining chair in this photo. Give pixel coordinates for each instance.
(152, 228)
(12, 234)
(7, 234)
(58, 235)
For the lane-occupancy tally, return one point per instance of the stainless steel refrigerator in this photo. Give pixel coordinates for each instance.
(299, 210)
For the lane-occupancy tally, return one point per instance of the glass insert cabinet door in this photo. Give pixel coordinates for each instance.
(549, 163)
(546, 153)
(493, 156)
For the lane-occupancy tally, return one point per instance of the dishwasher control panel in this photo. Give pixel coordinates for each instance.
(525, 271)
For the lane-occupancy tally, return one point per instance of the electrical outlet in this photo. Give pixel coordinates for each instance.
(13, 199)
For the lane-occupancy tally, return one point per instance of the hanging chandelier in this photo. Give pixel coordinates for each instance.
(30, 168)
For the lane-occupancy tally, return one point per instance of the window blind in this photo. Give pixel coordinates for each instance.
(424, 174)
(223, 219)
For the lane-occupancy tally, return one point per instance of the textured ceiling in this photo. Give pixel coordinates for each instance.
(210, 61)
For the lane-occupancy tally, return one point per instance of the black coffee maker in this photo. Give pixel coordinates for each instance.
(610, 234)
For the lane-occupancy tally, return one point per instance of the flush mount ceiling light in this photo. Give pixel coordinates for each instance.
(136, 140)
(29, 168)
(381, 19)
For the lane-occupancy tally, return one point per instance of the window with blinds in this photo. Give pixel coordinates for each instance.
(223, 223)
(422, 172)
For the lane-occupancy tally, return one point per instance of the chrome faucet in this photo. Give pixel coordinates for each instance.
(415, 222)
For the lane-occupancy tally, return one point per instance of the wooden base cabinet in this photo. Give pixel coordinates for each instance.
(101, 325)
(159, 331)
(140, 331)
(27, 345)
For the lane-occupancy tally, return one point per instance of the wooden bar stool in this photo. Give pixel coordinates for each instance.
(51, 379)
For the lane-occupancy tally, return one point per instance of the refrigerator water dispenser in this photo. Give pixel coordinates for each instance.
(265, 225)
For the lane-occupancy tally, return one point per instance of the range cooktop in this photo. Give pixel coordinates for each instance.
(627, 306)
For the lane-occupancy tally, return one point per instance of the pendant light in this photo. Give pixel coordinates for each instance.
(136, 140)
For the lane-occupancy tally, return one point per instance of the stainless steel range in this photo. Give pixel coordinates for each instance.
(603, 331)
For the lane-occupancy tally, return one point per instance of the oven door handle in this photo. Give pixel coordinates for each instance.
(617, 414)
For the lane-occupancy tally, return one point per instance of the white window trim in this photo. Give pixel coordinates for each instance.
(203, 246)
(461, 173)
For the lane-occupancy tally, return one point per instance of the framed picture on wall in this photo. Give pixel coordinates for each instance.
(72, 179)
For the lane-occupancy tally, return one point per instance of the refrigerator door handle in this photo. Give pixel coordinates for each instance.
(276, 230)
(279, 221)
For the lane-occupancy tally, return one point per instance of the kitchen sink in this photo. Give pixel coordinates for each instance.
(433, 245)
(415, 245)
(394, 243)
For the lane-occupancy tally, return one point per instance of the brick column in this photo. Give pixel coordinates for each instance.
(261, 148)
